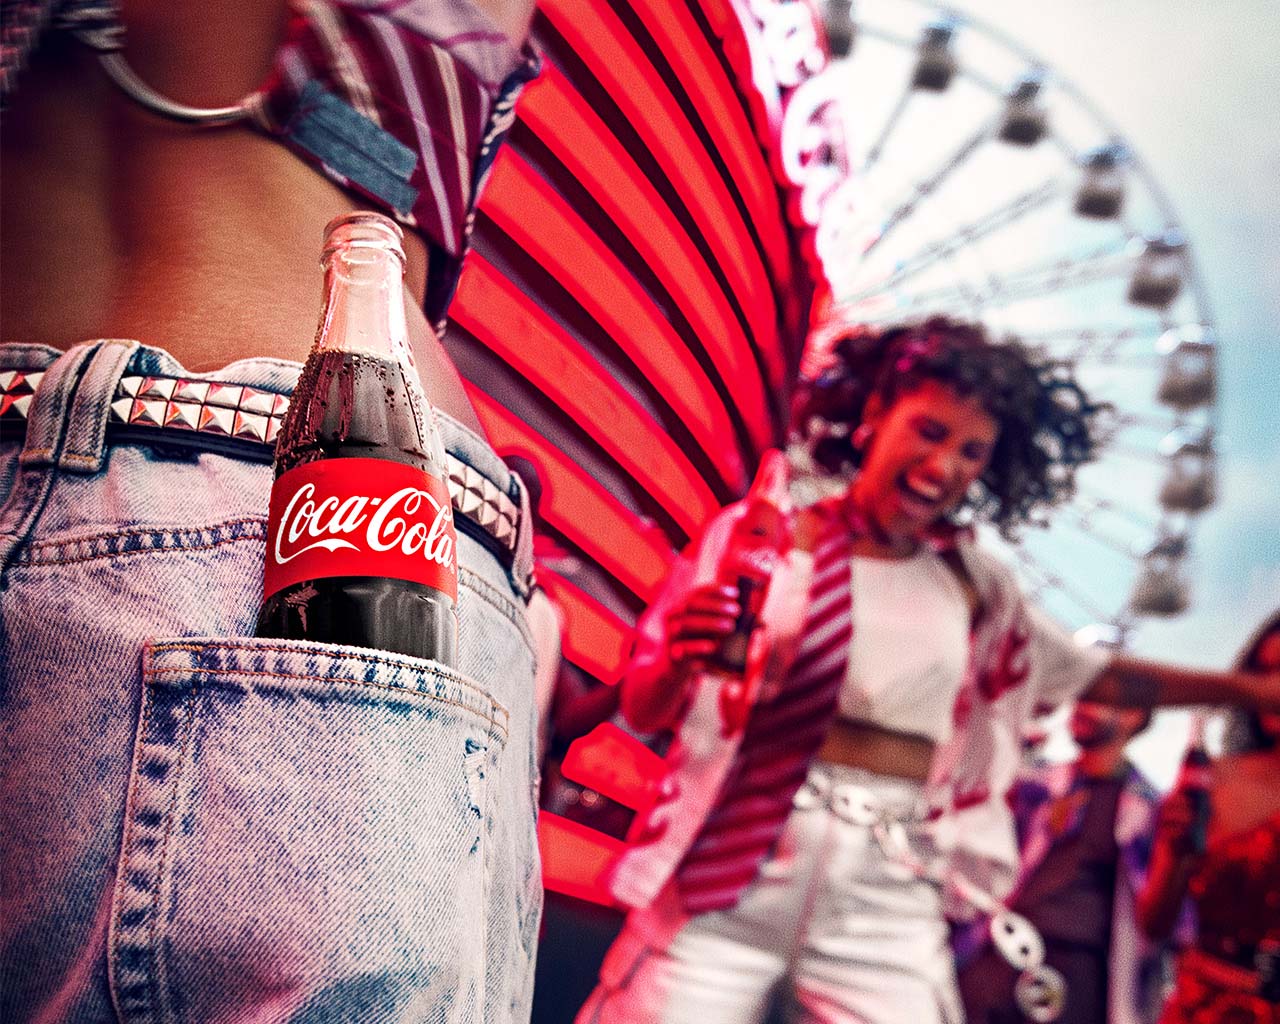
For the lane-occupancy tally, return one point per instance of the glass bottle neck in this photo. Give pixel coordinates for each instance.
(364, 303)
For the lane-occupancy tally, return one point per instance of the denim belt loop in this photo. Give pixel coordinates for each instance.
(86, 376)
(46, 418)
(85, 443)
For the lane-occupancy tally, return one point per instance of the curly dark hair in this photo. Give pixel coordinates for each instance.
(1047, 425)
(1244, 728)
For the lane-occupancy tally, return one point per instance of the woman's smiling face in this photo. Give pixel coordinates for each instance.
(924, 453)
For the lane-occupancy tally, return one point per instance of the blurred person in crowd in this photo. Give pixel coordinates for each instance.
(1084, 835)
(1228, 862)
(800, 853)
(203, 825)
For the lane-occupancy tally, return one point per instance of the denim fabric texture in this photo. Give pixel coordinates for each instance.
(201, 826)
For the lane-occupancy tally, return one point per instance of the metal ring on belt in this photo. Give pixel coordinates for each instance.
(241, 421)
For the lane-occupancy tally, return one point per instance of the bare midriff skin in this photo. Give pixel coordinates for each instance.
(201, 241)
(883, 751)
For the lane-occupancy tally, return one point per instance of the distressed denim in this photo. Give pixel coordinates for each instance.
(200, 826)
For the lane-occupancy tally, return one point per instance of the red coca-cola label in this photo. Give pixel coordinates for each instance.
(360, 517)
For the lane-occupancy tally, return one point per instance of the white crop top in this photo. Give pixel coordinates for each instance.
(910, 645)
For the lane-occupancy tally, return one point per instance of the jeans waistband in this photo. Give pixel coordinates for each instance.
(68, 407)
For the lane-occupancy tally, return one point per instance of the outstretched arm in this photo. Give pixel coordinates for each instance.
(1134, 682)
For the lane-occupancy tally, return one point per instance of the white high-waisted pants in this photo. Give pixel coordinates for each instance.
(849, 936)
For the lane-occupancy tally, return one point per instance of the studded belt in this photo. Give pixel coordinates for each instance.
(238, 420)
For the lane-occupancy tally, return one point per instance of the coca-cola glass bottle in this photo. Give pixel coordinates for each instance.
(1195, 779)
(361, 548)
(757, 543)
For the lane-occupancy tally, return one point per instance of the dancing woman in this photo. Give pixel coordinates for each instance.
(905, 662)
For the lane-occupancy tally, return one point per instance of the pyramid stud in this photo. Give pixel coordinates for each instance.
(120, 410)
(183, 414)
(279, 405)
(157, 387)
(225, 395)
(150, 413)
(257, 401)
(6, 379)
(250, 426)
(130, 385)
(191, 391)
(214, 420)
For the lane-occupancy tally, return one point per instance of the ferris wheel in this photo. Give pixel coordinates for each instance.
(989, 187)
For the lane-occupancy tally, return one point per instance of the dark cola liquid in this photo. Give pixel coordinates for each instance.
(731, 655)
(351, 405)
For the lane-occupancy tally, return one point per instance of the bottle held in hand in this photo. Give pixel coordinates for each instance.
(757, 544)
(1195, 780)
(361, 548)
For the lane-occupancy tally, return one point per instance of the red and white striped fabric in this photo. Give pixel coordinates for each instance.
(781, 738)
(433, 84)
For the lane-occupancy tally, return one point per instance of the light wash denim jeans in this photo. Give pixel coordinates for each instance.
(200, 826)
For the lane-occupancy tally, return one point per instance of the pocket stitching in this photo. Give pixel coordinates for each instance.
(171, 538)
(495, 706)
(155, 970)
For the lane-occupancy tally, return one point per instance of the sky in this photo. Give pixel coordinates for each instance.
(1194, 88)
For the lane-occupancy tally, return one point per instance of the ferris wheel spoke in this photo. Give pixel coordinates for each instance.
(1152, 421)
(946, 247)
(1127, 332)
(891, 122)
(1037, 282)
(1084, 522)
(1102, 503)
(929, 186)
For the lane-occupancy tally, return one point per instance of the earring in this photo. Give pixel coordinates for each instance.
(861, 436)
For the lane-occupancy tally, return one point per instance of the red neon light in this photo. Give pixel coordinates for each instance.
(594, 638)
(616, 765)
(581, 140)
(603, 41)
(506, 320)
(683, 44)
(545, 226)
(576, 860)
(744, 49)
(634, 553)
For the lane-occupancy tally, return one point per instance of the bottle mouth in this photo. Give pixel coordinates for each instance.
(362, 230)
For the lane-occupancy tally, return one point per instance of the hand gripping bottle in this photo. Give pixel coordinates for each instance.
(1195, 779)
(757, 543)
(361, 548)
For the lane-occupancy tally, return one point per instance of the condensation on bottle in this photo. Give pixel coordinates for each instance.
(361, 546)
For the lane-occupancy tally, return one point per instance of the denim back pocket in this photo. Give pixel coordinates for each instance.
(305, 830)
